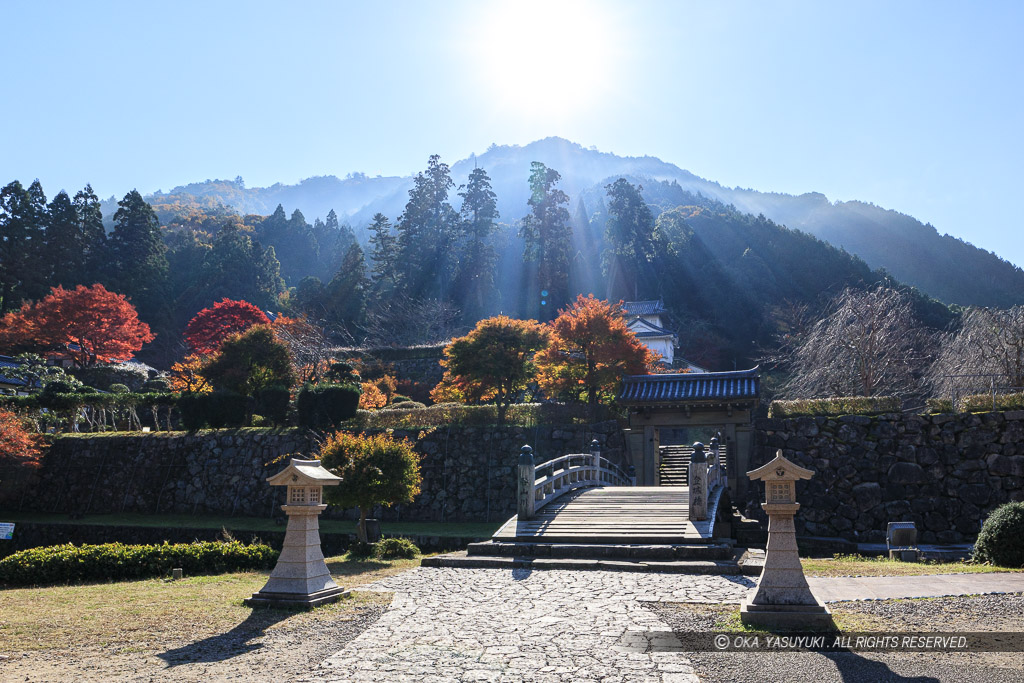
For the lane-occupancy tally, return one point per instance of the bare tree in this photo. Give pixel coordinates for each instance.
(403, 321)
(987, 351)
(310, 348)
(870, 345)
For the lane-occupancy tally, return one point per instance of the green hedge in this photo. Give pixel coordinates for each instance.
(115, 561)
(323, 406)
(842, 405)
(404, 416)
(977, 403)
(217, 410)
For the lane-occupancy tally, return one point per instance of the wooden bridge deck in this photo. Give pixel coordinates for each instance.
(612, 514)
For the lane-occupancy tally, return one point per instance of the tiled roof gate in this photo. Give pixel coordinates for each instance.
(741, 385)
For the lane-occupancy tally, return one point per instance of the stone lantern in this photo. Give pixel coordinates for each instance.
(300, 577)
(782, 596)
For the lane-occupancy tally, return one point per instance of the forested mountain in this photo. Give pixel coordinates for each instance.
(943, 266)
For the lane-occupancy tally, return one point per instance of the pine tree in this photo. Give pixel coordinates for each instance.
(385, 256)
(344, 297)
(65, 243)
(426, 231)
(94, 235)
(475, 276)
(138, 257)
(632, 242)
(22, 221)
(548, 238)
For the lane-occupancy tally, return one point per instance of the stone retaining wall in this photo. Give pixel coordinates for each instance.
(468, 472)
(944, 472)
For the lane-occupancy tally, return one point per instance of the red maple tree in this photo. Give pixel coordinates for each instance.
(211, 326)
(86, 324)
(591, 349)
(17, 445)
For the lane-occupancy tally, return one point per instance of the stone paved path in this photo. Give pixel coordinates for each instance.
(491, 625)
(885, 587)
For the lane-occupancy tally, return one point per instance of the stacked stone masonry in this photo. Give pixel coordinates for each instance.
(945, 472)
(468, 472)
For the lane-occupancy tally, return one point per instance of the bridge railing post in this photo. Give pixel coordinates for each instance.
(631, 473)
(595, 460)
(714, 471)
(526, 500)
(698, 497)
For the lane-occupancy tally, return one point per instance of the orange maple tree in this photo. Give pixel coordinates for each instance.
(86, 324)
(18, 446)
(187, 376)
(211, 326)
(493, 362)
(591, 349)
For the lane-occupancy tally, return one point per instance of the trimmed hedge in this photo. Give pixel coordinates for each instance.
(415, 416)
(1001, 540)
(842, 405)
(323, 406)
(116, 561)
(217, 410)
(272, 403)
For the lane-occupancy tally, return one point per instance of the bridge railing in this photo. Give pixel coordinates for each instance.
(541, 484)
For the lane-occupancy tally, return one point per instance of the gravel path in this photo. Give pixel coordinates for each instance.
(964, 614)
(449, 624)
(254, 651)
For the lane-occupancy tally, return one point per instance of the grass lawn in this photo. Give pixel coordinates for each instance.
(856, 565)
(459, 529)
(130, 615)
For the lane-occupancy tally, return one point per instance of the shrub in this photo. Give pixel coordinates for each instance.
(116, 561)
(157, 386)
(119, 389)
(841, 405)
(216, 410)
(939, 405)
(1001, 540)
(131, 375)
(323, 406)
(983, 402)
(399, 398)
(272, 404)
(395, 548)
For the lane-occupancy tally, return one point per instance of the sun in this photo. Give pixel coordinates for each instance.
(546, 59)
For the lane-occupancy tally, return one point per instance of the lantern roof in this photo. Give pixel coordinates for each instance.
(780, 469)
(304, 473)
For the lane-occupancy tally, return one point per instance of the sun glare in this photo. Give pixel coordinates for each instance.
(550, 59)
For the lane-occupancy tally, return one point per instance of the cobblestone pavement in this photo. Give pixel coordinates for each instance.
(450, 624)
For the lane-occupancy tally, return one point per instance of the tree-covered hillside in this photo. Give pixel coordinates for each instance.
(917, 254)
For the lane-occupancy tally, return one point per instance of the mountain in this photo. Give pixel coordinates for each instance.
(943, 266)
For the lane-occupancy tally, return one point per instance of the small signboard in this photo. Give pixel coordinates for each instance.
(6, 531)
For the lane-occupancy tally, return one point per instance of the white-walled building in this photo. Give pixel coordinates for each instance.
(644, 319)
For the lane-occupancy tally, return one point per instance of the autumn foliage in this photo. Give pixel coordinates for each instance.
(186, 376)
(211, 326)
(493, 362)
(591, 349)
(374, 470)
(85, 324)
(18, 446)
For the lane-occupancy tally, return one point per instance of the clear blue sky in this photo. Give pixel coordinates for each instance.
(915, 106)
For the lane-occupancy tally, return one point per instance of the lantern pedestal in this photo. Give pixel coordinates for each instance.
(782, 596)
(301, 577)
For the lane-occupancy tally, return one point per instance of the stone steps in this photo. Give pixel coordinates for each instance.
(617, 551)
(732, 567)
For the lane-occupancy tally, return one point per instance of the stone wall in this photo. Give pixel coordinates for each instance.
(944, 472)
(468, 472)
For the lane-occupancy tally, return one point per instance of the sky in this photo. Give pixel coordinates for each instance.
(913, 106)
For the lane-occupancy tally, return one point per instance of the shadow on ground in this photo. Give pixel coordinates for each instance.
(237, 641)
